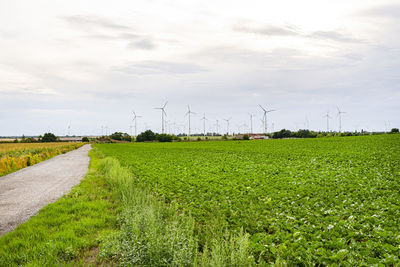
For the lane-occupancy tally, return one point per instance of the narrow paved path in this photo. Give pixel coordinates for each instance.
(25, 192)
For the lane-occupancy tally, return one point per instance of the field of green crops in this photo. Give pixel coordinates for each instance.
(304, 201)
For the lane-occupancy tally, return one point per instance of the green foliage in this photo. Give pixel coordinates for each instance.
(85, 139)
(49, 137)
(246, 137)
(153, 233)
(146, 136)
(282, 134)
(327, 201)
(164, 138)
(121, 136)
(305, 134)
(28, 140)
(395, 130)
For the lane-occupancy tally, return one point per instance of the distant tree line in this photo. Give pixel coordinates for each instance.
(47, 137)
(311, 134)
(148, 136)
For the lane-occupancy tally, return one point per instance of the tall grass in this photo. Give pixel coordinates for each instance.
(153, 233)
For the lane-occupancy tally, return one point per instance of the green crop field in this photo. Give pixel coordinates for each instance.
(324, 201)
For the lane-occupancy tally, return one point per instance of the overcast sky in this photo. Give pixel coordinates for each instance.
(88, 64)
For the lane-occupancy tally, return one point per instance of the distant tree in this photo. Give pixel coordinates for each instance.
(394, 130)
(282, 134)
(164, 138)
(246, 137)
(121, 136)
(126, 137)
(146, 136)
(49, 137)
(16, 140)
(85, 139)
(30, 140)
(305, 134)
(116, 136)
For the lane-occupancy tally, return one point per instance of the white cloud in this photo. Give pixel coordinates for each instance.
(102, 59)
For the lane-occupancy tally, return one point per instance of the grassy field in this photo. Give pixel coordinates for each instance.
(304, 201)
(15, 156)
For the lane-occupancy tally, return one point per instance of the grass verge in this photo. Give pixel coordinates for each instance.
(66, 231)
(153, 233)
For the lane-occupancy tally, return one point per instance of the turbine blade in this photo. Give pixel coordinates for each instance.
(165, 104)
(262, 107)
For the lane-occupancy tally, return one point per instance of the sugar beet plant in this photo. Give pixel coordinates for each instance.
(317, 201)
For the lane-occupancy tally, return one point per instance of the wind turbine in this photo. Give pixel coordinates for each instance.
(135, 119)
(217, 127)
(227, 125)
(204, 123)
(162, 116)
(339, 114)
(69, 129)
(327, 120)
(387, 126)
(244, 125)
(188, 114)
(251, 122)
(307, 124)
(265, 122)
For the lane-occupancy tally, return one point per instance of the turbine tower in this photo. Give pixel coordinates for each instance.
(244, 125)
(251, 122)
(162, 116)
(327, 120)
(135, 119)
(188, 114)
(339, 114)
(227, 125)
(265, 122)
(69, 129)
(217, 127)
(204, 123)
